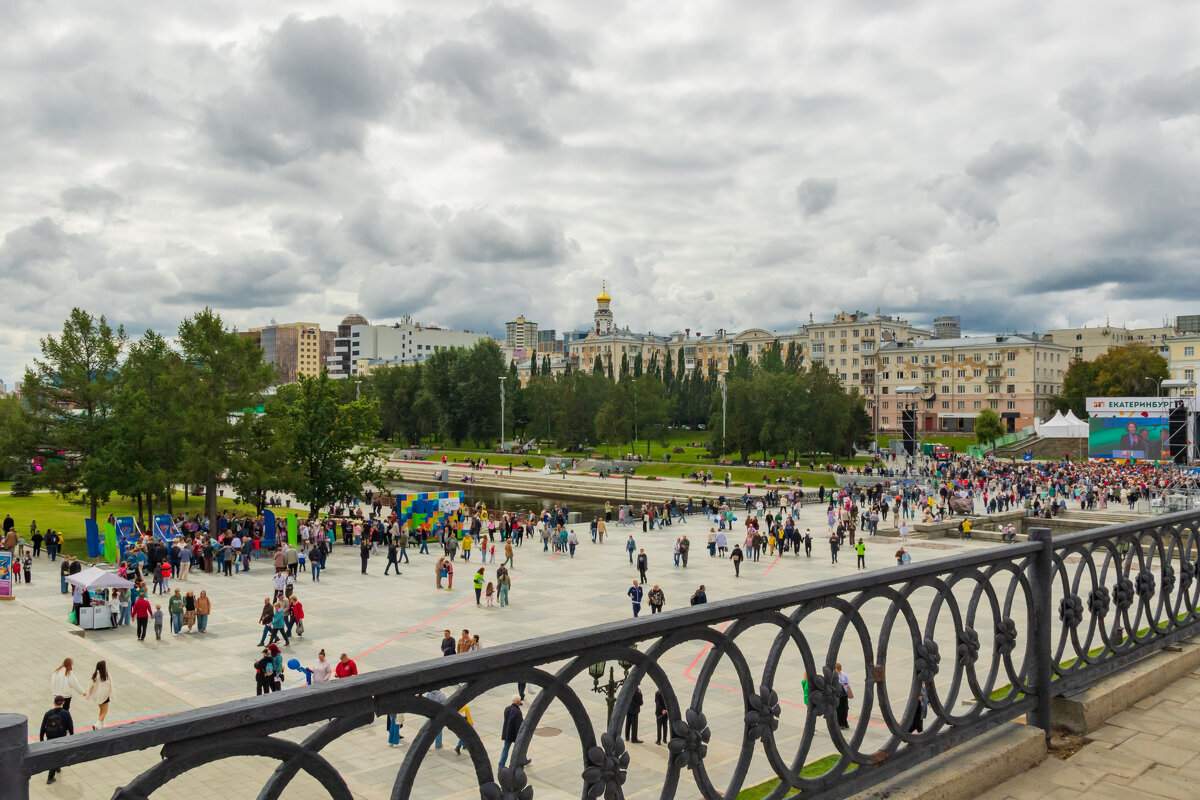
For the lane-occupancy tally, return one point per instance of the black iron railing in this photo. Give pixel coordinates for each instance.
(997, 632)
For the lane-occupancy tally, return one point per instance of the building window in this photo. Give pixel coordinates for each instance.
(1011, 388)
(945, 390)
(961, 405)
(978, 373)
(978, 389)
(993, 404)
(976, 405)
(1189, 351)
(945, 358)
(961, 389)
(1012, 373)
(1011, 405)
(946, 405)
(887, 359)
(1189, 374)
(962, 373)
(1011, 355)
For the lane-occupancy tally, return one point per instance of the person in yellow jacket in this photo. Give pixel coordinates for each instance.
(466, 712)
(467, 541)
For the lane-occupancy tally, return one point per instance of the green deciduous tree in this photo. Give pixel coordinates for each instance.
(324, 437)
(220, 379)
(71, 390)
(988, 426)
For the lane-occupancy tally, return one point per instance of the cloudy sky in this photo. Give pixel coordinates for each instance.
(1025, 164)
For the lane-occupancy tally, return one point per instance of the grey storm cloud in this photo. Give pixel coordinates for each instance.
(815, 195)
(719, 165)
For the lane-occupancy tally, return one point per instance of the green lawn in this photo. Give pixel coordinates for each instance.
(495, 459)
(66, 517)
(958, 444)
(813, 770)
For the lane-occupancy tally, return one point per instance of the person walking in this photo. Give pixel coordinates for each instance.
(631, 718)
(844, 695)
(100, 691)
(56, 723)
(700, 597)
(684, 547)
(364, 552)
(279, 624)
(322, 670)
(175, 609)
(295, 616)
(834, 543)
(141, 615)
(643, 564)
(508, 553)
(439, 570)
(861, 550)
(657, 600)
(63, 683)
(510, 728)
(635, 596)
(808, 542)
(393, 559)
(630, 547)
(463, 645)
(465, 711)
(447, 643)
(736, 557)
(662, 719)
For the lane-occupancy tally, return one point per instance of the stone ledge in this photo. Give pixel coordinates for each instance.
(966, 771)
(1085, 711)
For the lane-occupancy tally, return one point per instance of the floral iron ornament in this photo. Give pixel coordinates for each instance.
(512, 785)
(689, 744)
(608, 766)
(764, 712)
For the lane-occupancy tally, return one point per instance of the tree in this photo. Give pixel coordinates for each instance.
(145, 439)
(1130, 371)
(795, 359)
(598, 365)
(637, 365)
(219, 380)
(324, 438)
(18, 437)
(1079, 383)
(262, 462)
(546, 365)
(624, 366)
(988, 426)
(71, 389)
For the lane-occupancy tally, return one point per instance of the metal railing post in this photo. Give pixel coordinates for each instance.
(1042, 579)
(14, 746)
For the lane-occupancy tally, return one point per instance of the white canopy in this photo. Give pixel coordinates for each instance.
(1060, 427)
(96, 578)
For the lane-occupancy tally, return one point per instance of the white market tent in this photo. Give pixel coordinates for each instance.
(94, 578)
(1060, 427)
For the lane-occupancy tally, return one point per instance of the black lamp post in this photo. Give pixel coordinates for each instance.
(610, 689)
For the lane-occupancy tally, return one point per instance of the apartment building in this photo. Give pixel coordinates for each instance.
(1014, 375)
(294, 348)
(1182, 353)
(359, 343)
(1089, 343)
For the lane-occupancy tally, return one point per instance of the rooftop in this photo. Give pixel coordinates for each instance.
(969, 341)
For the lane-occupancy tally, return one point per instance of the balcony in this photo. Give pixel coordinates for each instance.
(818, 350)
(1001, 667)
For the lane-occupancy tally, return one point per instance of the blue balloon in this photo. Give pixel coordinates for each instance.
(294, 663)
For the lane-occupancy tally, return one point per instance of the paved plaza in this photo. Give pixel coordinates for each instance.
(387, 621)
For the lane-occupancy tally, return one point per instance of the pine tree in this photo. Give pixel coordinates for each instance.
(22, 485)
(598, 365)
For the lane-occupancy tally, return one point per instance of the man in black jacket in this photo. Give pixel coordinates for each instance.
(631, 719)
(56, 723)
(508, 731)
(661, 719)
(643, 564)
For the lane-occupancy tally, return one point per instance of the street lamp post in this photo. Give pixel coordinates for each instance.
(724, 397)
(610, 689)
(502, 379)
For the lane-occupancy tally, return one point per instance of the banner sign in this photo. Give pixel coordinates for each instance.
(427, 507)
(1139, 406)
(162, 527)
(114, 549)
(269, 528)
(6, 579)
(95, 545)
(293, 529)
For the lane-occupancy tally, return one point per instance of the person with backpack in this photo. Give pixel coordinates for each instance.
(56, 723)
(736, 557)
(700, 597)
(656, 599)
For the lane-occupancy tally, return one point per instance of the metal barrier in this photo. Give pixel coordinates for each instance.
(1006, 629)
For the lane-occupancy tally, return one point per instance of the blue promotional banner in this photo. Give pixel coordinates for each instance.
(163, 527)
(95, 545)
(6, 580)
(269, 528)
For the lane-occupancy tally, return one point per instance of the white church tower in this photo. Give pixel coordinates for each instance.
(603, 315)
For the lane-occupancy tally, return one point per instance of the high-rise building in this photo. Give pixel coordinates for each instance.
(294, 348)
(360, 346)
(521, 334)
(947, 327)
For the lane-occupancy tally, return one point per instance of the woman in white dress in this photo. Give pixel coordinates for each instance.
(101, 691)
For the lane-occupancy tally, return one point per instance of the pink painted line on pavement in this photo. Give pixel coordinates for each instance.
(414, 627)
(110, 723)
(773, 563)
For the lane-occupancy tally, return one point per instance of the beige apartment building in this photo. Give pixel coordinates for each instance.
(1183, 360)
(1089, 343)
(294, 348)
(1014, 375)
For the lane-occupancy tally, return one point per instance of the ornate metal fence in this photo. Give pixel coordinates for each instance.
(1003, 630)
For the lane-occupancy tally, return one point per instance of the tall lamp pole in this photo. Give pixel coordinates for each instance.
(502, 379)
(724, 397)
